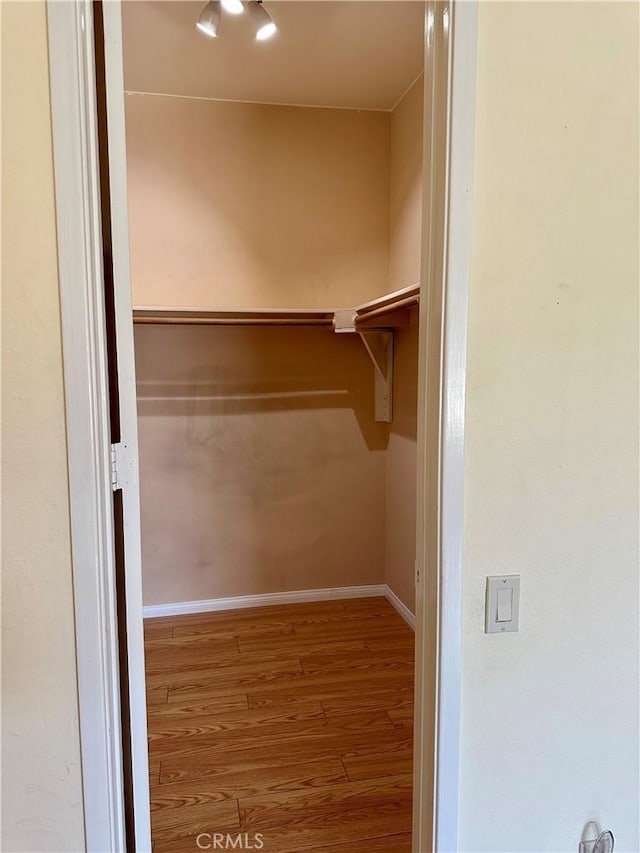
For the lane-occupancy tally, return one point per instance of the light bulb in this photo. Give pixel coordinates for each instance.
(265, 28)
(266, 32)
(209, 19)
(233, 7)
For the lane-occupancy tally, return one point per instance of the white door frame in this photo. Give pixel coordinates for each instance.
(448, 554)
(449, 121)
(90, 453)
(73, 101)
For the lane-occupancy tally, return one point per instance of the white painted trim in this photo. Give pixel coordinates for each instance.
(451, 58)
(237, 602)
(74, 121)
(456, 310)
(304, 596)
(73, 110)
(429, 431)
(402, 609)
(112, 21)
(135, 93)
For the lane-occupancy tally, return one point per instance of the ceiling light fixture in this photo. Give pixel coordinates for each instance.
(209, 19)
(233, 7)
(265, 28)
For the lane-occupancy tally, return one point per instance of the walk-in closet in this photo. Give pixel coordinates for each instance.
(275, 195)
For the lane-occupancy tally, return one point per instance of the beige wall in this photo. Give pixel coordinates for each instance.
(248, 205)
(41, 784)
(405, 188)
(296, 207)
(262, 469)
(400, 469)
(405, 221)
(550, 714)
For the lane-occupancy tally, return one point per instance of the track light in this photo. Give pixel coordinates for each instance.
(209, 19)
(233, 7)
(265, 28)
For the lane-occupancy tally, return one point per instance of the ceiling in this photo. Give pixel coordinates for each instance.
(357, 54)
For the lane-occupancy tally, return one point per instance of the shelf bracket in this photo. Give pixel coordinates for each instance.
(379, 346)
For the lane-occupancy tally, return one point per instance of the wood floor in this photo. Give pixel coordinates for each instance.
(292, 724)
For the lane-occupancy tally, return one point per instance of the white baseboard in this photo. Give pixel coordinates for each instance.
(301, 596)
(402, 609)
(240, 601)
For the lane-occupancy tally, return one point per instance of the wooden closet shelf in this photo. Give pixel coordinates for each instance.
(385, 312)
(392, 307)
(374, 323)
(216, 317)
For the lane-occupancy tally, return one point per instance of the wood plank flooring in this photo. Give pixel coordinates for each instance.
(289, 725)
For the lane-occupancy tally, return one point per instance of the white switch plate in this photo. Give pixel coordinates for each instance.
(502, 604)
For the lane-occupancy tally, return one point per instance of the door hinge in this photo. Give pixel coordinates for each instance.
(123, 466)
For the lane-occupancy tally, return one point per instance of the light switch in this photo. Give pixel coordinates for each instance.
(505, 604)
(502, 605)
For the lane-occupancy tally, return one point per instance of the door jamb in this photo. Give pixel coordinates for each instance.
(73, 105)
(89, 449)
(79, 239)
(436, 822)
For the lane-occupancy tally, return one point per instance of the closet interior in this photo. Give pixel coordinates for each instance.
(275, 204)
